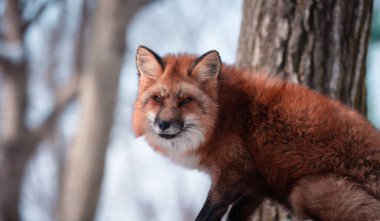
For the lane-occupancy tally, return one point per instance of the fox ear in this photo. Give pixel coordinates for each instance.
(149, 64)
(207, 66)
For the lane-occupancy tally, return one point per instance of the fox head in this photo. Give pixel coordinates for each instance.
(176, 107)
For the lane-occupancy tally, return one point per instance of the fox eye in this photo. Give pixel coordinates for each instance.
(186, 101)
(156, 98)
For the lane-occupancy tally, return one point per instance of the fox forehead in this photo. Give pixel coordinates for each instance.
(178, 89)
(178, 65)
(175, 77)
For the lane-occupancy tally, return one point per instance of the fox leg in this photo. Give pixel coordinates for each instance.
(223, 193)
(333, 198)
(218, 199)
(243, 209)
(212, 210)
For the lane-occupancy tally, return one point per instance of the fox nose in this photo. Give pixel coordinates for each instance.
(163, 125)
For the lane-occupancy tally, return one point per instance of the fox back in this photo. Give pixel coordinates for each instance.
(258, 137)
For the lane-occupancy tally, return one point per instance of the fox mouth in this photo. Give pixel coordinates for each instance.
(167, 136)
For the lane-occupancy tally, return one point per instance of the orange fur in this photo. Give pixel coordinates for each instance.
(260, 137)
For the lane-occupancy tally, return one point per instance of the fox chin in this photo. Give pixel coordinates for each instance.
(258, 137)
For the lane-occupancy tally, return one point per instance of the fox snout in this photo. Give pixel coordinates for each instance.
(163, 124)
(167, 124)
(168, 129)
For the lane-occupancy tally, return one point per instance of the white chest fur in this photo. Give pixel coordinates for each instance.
(188, 160)
(179, 150)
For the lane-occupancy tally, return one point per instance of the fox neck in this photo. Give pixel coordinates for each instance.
(189, 159)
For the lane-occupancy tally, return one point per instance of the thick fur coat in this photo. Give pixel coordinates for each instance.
(258, 137)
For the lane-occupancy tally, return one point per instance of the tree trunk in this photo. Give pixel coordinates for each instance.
(15, 152)
(18, 142)
(321, 44)
(99, 85)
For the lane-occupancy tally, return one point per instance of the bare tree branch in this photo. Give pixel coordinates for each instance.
(4, 62)
(64, 95)
(80, 45)
(19, 143)
(103, 59)
(38, 14)
(12, 16)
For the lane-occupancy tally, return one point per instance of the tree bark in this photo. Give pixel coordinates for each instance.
(321, 44)
(98, 92)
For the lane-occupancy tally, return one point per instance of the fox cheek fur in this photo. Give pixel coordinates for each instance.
(258, 137)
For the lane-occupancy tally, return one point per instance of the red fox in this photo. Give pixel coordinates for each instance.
(258, 137)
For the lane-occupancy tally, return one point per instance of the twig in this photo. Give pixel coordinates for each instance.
(64, 95)
(37, 15)
(4, 62)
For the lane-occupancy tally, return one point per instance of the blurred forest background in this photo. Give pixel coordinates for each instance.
(68, 82)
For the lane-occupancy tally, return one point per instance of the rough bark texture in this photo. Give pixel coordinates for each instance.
(99, 84)
(321, 44)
